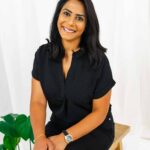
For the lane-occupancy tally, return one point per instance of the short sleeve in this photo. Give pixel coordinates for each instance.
(36, 65)
(105, 79)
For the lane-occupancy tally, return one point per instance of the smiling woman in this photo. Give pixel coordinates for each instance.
(71, 24)
(73, 75)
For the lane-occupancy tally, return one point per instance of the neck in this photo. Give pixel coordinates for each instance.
(70, 47)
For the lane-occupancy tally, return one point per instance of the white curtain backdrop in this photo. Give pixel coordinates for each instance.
(125, 32)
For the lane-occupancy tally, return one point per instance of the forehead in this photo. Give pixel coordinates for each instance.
(76, 6)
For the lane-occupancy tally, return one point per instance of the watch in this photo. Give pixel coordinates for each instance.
(68, 137)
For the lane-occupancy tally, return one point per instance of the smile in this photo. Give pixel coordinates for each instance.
(68, 30)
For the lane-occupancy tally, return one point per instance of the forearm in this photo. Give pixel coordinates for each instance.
(86, 125)
(37, 117)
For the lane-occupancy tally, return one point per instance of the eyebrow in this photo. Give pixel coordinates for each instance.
(71, 12)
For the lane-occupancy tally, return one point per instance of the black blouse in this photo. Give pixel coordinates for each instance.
(70, 99)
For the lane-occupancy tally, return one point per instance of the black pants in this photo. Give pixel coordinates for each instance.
(100, 138)
(96, 140)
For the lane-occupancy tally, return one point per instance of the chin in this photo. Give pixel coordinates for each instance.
(67, 38)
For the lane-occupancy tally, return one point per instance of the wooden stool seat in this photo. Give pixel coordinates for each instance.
(121, 131)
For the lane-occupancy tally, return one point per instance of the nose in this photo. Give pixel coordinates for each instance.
(71, 21)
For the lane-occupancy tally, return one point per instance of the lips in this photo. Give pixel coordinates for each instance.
(68, 30)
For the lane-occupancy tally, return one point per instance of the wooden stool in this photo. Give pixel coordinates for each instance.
(120, 132)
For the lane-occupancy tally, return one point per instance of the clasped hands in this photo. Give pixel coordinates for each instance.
(56, 142)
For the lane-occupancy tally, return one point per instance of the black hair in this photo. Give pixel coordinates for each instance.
(89, 40)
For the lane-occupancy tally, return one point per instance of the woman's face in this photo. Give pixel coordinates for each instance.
(72, 20)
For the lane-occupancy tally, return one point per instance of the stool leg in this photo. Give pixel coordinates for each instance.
(119, 147)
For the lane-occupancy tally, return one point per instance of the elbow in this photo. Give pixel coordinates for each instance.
(37, 106)
(100, 115)
(37, 103)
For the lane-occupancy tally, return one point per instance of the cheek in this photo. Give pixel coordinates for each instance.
(59, 22)
(81, 28)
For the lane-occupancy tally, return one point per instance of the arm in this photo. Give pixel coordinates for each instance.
(38, 115)
(37, 109)
(96, 117)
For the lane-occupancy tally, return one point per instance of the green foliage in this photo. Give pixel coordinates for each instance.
(10, 143)
(14, 127)
(2, 147)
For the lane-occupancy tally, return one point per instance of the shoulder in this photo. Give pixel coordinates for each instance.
(42, 50)
(104, 65)
(104, 61)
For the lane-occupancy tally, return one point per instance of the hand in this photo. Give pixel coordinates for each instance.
(58, 141)
(44, 144)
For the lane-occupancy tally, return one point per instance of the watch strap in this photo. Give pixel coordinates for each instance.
(65, 132)
(68, 137)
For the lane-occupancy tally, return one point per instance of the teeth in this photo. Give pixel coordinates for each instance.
(67, 30)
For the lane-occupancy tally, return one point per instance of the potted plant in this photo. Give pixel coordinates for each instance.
(15, 127)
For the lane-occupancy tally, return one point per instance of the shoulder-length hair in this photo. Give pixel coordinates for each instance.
(90, 37)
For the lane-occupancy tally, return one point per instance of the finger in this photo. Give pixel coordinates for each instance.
(51, 142)
(50, 145)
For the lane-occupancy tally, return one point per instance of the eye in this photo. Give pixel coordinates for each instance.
(66, 13)
(79, 18)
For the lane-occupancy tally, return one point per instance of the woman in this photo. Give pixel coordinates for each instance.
(72, 74)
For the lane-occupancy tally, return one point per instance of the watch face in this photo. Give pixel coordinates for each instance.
(69, 138)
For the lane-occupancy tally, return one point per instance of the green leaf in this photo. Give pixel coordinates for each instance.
(31, 132)
(23, 127)
(2, 147)
(32, 137)
(14, 127)
(4, 127)
(10, 118)
(7, 129)
(10, 143)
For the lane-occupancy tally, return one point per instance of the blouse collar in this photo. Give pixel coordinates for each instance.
(79, 53)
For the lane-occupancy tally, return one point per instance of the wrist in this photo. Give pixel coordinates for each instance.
(62, 138)
(67, 136)
(40, 136)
